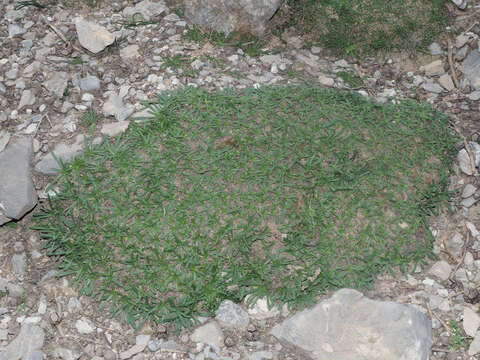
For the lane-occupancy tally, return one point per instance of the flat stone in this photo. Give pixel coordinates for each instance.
(434, 68)
(148, 9)
(471, 68)
(350, 326)
(432, 87)
(271, 59)
(474, 348)
(114, 107)
(84, 326)
(12, 74)
(464, 162)
(57, 83)
(17, 193)
(231, 315)
(15, 290)
(15, 30)
(435, 49)
(142, 339)
(19, 263)
(468, 191)
(441, 269)
(474, 96)
(114, 129)
(135, 349)
(65, 152)
(468, 202)
(446, 81)
(210, 333)
(475, 147)
(325, 80)
(92, 36)
(471, 321)
(261, 310)
(89, 83)
(462, 53)
(29, 340)
(130, 52)
(461, 40)
(27, 99)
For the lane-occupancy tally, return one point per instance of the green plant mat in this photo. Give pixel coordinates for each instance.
(278, 191)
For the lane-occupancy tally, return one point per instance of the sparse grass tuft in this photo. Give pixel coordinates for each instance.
(279, 191)
(176, 61)
(365, 27)
(90, 118)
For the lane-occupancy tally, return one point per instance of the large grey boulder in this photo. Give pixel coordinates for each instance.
(250, 16)
(17, 194)
(349, 326)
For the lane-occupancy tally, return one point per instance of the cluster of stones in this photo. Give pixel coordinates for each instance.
(43, 94)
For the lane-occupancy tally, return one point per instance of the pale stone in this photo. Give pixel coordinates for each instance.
(446, 81)
(471, 321)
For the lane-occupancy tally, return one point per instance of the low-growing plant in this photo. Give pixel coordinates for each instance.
(285, 192)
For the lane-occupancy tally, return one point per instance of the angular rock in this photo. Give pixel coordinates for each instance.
(475, 147)
(64, 152)
(474, 96)
(464, 162)
(441, 269)
(261, 311)
(232, 15)
(19, 263)
(461, 4)
(468, 202)
(135, 349)
(89, 83)
(468, 191)
(471, 68)
(29, 340)
(91, 36)
(349, 326)
(57, 83)
(446, 81)
(129, 52)
(27, 99)
(231, 315)
(15, 30)
(434, 68)
(326, 81)
(210, 333)
(471, 322)
(84, 326)
(17, 193)
(114, 107)
(474, 348)
(432, 87)
(435, 49)
(148, 9)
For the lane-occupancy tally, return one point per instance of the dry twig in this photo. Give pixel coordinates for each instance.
(432, 314)
(451, 63)
(60, 35)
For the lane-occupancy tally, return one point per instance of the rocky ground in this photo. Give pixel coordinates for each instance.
(48, 80)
